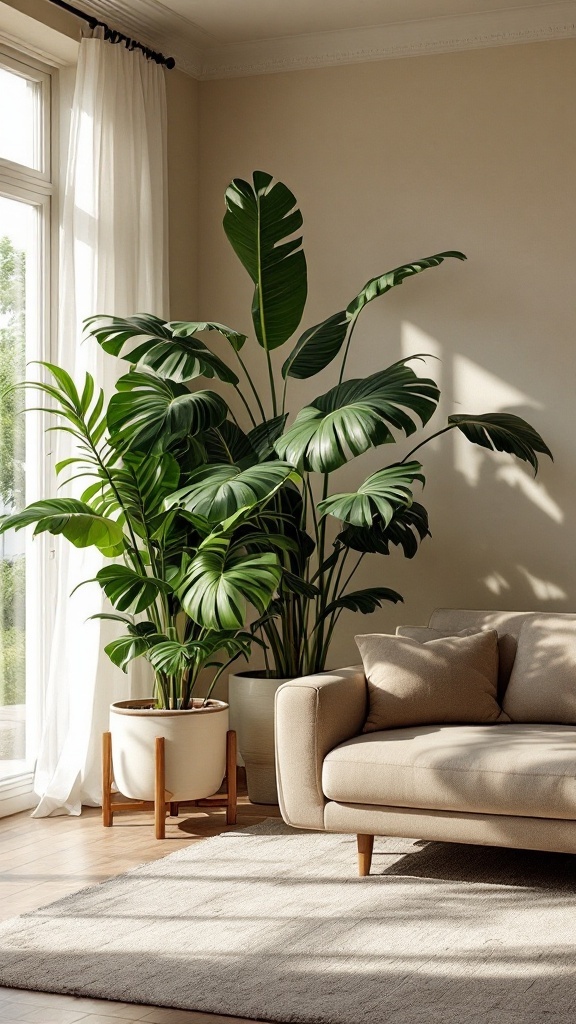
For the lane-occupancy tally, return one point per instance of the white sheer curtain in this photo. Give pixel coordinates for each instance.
(113, 260)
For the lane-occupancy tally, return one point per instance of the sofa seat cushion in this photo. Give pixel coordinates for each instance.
(527, 770)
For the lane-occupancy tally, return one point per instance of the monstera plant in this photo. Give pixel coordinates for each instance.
(179, 582)
(241, 462)
(212, 512)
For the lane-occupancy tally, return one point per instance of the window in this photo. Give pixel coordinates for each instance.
(25, 191)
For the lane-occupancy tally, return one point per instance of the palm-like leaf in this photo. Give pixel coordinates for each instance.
(150, 414)
(380, 285)
(365, 601)
(228, 443)
(171, 350)
(216, 586)
(74, 519)
(379, 495)
(173, 657)
(218, 492)
(319, 345)
(263, 436)
(128, 590)
(259, 221)
(408, 528)
(141, 636)
(357, 415)
(503, 432)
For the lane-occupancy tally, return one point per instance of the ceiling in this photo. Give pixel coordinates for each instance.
(221, 22)
(225, 38)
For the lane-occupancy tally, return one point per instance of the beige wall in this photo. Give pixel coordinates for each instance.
(400, 159)
(182, 94)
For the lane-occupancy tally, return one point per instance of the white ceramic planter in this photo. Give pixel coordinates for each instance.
(195, 748)
(251, 699)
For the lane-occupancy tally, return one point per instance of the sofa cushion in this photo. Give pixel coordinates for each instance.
(542, 685)
(506, 647)
(513, 769)
(446, 680)
(507, 624)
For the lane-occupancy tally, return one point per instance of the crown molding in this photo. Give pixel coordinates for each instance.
(385, 42)
(155, 25)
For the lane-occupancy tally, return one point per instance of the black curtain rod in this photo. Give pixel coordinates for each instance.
(117, 37)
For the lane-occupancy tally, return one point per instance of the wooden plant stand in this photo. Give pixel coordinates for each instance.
(162, 804)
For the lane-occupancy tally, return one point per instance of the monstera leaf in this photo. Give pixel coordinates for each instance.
(170, 350)
(357, 415)
(364, 601)
(503, 432)
(319, 345)
(74, 519)
(379, 495)
(141, 636)
(216, 585)
(128, 590)
(149, 413)
(219, 491)
(259, 222)
(408, 527)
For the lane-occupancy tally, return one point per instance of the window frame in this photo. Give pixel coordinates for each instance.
(36, 187)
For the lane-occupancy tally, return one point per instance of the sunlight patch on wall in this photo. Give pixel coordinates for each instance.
(515, 476)
(496, 583)
(544, 590)
(415, 341)
(476, 390)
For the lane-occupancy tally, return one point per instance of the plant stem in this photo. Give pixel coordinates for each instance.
(252, 385)
(438, 433)
(246, 406)
(272, 384)
(346, 350)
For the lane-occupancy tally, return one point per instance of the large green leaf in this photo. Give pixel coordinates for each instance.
(263, 436)
(259, 223)
(74, 519)
(219, 491)
(149, 413)
(228, 443)
(128, 590)
(216, 586)
(380, 494)
(407, 529)
(138, 485)
(171, 350)
(141, 636)
(377, 286)
(319, 345)
(173, 658)
(503, 432)
(357, 415)
(365, 601)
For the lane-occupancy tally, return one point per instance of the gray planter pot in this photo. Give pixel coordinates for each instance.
(251, 700)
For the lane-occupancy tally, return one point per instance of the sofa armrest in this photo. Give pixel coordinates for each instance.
(313, 715)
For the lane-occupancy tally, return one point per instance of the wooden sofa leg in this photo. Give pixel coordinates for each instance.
(365, 847)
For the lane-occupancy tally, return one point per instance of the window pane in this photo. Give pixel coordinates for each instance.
(18, 322)
(20, 119)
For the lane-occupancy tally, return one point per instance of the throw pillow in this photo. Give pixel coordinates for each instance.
(506, 647)
(446, 680)
(542, 685)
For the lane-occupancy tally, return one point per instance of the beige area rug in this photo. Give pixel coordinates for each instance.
(273, 924)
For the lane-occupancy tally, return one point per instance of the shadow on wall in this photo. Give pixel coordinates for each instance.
(500, 537)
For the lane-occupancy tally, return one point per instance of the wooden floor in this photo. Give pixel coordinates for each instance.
(46, 858)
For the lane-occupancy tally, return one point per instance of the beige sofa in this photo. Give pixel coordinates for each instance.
(499, 784)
